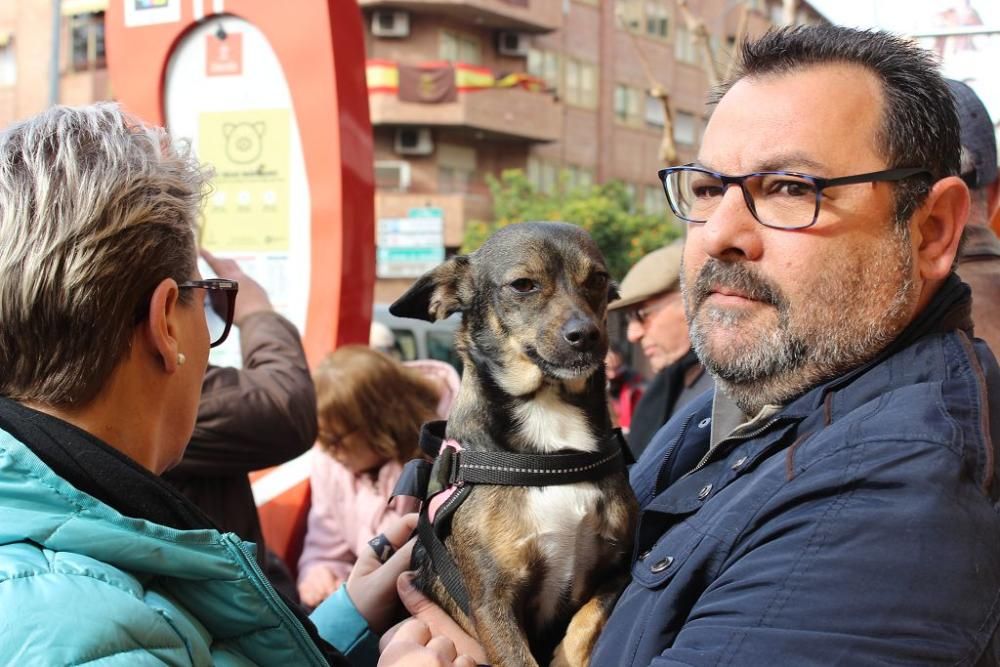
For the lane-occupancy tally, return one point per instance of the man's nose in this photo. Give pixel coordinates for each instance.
(634, 331)
(731, 230)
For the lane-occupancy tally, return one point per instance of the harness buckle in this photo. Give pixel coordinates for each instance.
(444, 472)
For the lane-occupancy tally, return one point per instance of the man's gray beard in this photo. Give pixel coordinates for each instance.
(794, 358)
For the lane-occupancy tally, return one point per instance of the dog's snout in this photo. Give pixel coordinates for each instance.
(581, 333)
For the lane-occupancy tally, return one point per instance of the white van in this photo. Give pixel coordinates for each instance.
(418, 339)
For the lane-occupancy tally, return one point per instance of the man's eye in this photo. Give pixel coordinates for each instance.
(706, 190)
(523, 285)
(791, 188)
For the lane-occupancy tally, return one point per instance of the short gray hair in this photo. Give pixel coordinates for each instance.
(96, 209)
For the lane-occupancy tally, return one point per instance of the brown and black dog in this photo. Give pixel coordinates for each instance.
(542, 565)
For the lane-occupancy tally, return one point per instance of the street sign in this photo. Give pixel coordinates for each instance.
(409, 247)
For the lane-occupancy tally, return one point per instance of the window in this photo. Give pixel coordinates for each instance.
(645, 17)
(579, 177)
(655, 114)
(545, 65)
(8, 65)
(456, 168)
(684, 46)
(657, 19)
(685, 128)
(460, 48)
(543, 175)
(581, 84)
(627, 100)
(87, 41)
(629, 189)
(653, 199)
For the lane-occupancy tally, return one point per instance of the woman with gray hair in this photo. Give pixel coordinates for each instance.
(103, 346)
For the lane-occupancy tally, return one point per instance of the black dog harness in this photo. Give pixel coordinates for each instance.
(445, 484)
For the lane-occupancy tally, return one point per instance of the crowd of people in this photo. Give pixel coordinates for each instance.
(817, 468)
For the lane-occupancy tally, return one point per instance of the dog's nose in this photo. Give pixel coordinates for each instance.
(582, 334)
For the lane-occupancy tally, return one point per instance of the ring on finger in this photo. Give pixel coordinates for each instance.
(382, 547)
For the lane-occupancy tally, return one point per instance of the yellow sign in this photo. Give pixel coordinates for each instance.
(248, 207)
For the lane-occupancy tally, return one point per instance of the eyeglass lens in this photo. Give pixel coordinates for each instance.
(776, 200)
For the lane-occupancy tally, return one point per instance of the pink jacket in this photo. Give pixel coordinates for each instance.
(347, 511)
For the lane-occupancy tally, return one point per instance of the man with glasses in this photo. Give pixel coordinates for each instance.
(835, 501)
(651, 299)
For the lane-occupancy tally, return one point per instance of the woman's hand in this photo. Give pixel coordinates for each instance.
(372, 584)
(317, 585)
(438, 624)
(413, 645)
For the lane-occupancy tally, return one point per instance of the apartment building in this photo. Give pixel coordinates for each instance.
(459, 89)
(592, 120)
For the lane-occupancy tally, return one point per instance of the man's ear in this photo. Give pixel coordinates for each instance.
(161, 328)
(444, 290)
(939, 230)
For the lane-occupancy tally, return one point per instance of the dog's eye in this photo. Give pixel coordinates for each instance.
(597, 281)
(523, 285)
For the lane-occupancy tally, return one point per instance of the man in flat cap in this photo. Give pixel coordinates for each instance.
(651, 298)
(979, 258)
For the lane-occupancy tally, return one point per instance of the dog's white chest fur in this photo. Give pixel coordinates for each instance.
(551, 424)
(556, 513)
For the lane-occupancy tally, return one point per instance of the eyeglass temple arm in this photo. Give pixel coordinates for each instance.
(871, 177)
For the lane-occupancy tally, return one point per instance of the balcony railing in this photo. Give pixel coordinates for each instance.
(514, 106)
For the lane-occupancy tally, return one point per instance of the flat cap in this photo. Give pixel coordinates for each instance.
(978, 136)
(656, 273)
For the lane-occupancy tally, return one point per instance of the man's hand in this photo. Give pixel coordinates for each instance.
(318, 584)
(251, 298)
(413, 645)
(372, 585)
(434, 619)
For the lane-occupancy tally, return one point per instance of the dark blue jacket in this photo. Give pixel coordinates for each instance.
(858, 526)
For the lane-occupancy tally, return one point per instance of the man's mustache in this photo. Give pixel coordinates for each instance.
(737, 277)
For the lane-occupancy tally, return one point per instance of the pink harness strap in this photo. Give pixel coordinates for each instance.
(439, 498)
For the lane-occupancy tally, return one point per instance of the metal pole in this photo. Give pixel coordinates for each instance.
(54, 52)
(961, 31)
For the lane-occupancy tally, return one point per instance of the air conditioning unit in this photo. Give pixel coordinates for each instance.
(392, 175)
(513, 44)
(414, 141)
(390, 23)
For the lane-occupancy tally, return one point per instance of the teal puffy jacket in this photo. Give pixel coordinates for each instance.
(81, 583)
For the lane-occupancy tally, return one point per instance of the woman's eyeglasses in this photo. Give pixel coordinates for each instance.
(222, 301)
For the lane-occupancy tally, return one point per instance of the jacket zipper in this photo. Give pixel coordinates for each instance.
(734, 438)
(670, 453)
(290, 618)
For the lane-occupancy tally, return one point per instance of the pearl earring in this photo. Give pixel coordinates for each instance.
(181, 358)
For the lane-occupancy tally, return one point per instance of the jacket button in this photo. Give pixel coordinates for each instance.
(739, 462)
(661, 565)
(645, 554)
(705, 490)
(704, 422)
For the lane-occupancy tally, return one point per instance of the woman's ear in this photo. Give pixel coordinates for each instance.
(161, 328)
(939, 231)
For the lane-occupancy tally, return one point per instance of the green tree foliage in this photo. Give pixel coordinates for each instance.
(622, 232)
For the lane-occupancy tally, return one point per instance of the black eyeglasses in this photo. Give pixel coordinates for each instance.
(640, 315)
(778, 199)
(222, 301)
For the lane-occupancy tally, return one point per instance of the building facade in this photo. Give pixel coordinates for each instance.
(459, 89)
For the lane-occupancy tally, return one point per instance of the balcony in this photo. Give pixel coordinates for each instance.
(501, 114)
(520, 15)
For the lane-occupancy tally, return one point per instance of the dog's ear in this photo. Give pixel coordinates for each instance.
(436, 294)
(613, 293)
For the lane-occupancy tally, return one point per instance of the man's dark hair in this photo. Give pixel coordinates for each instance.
(919, 125)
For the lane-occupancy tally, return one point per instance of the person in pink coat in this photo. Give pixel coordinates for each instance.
(370, 410)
